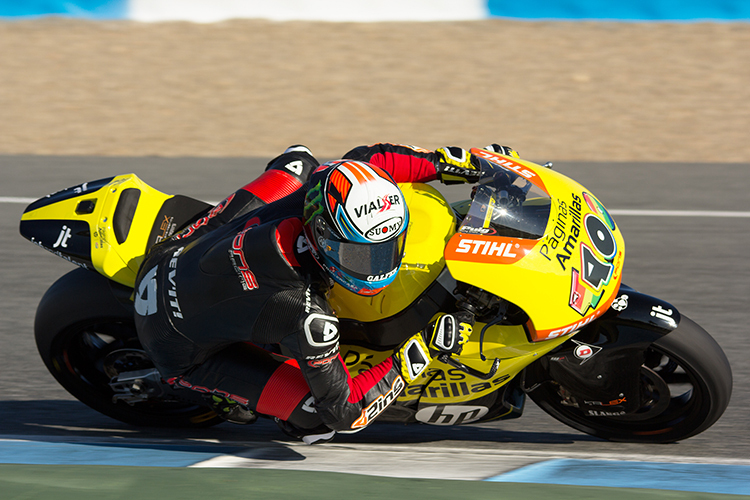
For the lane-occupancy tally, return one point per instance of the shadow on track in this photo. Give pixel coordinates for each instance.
(71, 421)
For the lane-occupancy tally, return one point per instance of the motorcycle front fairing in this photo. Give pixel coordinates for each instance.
(541, 241)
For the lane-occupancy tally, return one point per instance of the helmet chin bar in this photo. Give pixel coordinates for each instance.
(366, 290)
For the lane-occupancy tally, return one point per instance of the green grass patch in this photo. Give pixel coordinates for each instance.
(102, 482)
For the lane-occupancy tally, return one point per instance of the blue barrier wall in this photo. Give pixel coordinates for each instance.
(632, 10)
(89, 9)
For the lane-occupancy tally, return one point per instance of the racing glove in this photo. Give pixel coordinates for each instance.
(503, 150)
(447, 334)
(456, 165)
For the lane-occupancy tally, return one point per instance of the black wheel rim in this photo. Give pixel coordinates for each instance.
(675, 402)
(78, 359)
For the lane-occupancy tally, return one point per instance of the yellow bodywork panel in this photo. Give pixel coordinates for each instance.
(563, 280)
(431, 225)
(118, 261)
(444, 384)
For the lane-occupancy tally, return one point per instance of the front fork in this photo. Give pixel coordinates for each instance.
(601, 368)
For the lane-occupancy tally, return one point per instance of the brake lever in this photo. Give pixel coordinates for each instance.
(448, 360)
(502, 309)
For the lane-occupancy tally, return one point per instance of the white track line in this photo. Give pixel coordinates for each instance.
(475, 461)
(13, 199)
(623, 212)
(426, 461)
(678, 213)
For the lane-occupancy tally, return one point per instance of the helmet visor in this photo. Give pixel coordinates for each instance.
(365, 261)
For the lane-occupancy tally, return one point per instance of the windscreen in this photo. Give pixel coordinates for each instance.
(506, 204)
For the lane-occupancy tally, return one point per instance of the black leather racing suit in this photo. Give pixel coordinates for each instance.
(213, 300)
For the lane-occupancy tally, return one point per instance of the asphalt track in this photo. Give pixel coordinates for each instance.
(687, 243)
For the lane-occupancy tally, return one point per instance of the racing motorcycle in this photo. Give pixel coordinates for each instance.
(531, 252)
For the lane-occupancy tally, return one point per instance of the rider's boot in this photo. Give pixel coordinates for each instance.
(318, 435)
(231, 411)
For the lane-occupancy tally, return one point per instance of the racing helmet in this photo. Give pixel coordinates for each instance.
(355, 220)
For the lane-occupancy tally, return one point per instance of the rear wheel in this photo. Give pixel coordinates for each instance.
(685, 381)
(80, 329)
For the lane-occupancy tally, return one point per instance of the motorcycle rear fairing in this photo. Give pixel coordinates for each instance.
(107, 225)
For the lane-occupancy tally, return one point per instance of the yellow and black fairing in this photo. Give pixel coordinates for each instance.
(107, 225)
(554, 301)
(373, 326)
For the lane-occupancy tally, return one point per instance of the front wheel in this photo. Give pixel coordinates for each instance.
(686, 383)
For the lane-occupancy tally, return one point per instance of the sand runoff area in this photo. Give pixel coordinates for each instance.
(590, 91)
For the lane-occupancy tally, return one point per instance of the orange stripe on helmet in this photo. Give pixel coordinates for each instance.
(360, 173)
(332, 202)
(341, 183)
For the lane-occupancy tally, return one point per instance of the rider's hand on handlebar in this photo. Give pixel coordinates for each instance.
(449, 332)
(456, 165)
(446, 335)
(503, 150)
